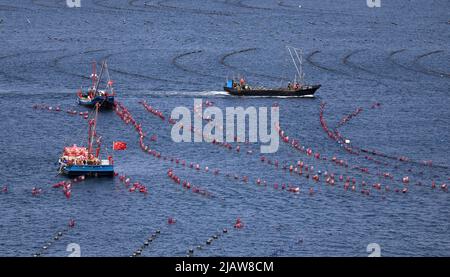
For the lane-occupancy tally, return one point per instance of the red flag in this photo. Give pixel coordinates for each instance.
(119, 145)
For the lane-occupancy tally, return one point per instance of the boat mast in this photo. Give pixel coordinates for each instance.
(299, 60)
(99, 78)
(92, 131)
(109, 83)
(94, 73)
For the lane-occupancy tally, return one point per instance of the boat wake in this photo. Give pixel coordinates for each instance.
(178, 93)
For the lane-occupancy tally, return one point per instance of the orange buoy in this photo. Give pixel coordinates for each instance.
(239, 224)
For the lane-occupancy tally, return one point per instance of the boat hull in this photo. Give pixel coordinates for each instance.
(104, 101)
(88, 170)
(301, 92)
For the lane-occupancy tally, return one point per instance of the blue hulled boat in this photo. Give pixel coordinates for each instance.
(94, 95)
(89, 170)
(77, 161)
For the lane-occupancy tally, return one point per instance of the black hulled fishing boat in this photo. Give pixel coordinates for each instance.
(295, 89)
(301, 90)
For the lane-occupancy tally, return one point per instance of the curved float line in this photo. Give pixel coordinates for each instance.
(393, 61)
(315, 64)
(100, 3)
(224, 63)
(55, 62)
(92, 10)
(132, 3)
(179, 66)
(146, 76)
(282, 4)
(191, 10)
(428, 70)
(346, 61)
(35, 2)
(12, 8)
(21, 54)
(143, 76)
(7, 8)
(335, 71)
(163, 6)
(240, 3)
(12, 76)
(316, 11)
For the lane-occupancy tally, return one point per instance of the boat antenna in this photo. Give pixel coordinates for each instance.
(300, 62)
(99, 145)
(293, 59)
(94, 73)
(92, 130)
(99, 78)
(109, 83)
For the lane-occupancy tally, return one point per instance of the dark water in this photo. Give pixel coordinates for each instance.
(170, 52)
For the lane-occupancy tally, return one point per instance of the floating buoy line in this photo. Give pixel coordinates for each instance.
(35, 191)
(335, 135)
(133, 186)
(138, 252)
(239, 224)
(296, 144)
(194, 131)
(152, 110)
(57, 109)
(188, 185)
(356, 150)
(67, 185)
(128, 119)
(301, 169)
(58, 236)
(348, 184)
